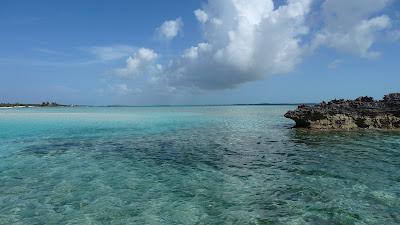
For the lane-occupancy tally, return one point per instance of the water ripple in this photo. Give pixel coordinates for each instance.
(199, 165)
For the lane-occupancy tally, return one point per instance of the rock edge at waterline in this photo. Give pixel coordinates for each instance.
(363, 112)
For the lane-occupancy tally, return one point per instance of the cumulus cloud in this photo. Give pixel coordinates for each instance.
(201, 16)
(143, 61)
(352, 26)
(243, 42)
(112, 52)
(170, 29)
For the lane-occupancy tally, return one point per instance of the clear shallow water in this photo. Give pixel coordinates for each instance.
(191, 165)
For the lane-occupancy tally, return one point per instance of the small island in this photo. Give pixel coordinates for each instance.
(363, 112)
(19, 105)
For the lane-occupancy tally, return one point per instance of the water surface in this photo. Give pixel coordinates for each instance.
(191, 165)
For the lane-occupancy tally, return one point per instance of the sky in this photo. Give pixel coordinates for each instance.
(158, 52)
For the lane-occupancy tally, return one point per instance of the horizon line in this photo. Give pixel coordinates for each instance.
(160, 105)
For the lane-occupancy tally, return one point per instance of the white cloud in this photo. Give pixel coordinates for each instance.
(193, 52)
(170, 29)
(243, 42)
(352, 26)
(143, 61)
(201, 16)
(112, 52)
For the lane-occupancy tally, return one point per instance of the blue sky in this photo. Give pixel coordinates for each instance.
(197, 52)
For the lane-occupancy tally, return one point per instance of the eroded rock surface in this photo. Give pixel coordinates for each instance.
(362, 112)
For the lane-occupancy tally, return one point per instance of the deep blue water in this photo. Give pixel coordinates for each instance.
(191, 165)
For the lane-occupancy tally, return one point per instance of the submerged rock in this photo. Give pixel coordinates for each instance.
(362, 112)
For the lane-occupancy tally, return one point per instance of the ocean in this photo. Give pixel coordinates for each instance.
(191, 165)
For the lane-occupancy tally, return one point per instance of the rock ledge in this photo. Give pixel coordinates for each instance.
(362, 112)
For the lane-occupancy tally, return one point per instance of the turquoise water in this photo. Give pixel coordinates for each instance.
(191, 165)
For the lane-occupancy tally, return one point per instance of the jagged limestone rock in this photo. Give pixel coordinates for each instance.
(362, 112)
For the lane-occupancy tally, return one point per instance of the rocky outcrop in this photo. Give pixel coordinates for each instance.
(362, 112)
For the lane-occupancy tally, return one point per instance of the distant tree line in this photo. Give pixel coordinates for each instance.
(43, 104)
(49, 104)
(10, 104)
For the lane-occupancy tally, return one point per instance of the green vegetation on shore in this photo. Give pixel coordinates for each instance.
(43, 104)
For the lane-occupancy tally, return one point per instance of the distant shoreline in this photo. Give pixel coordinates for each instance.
(3, 106)
(207, 105)
(20, 105)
